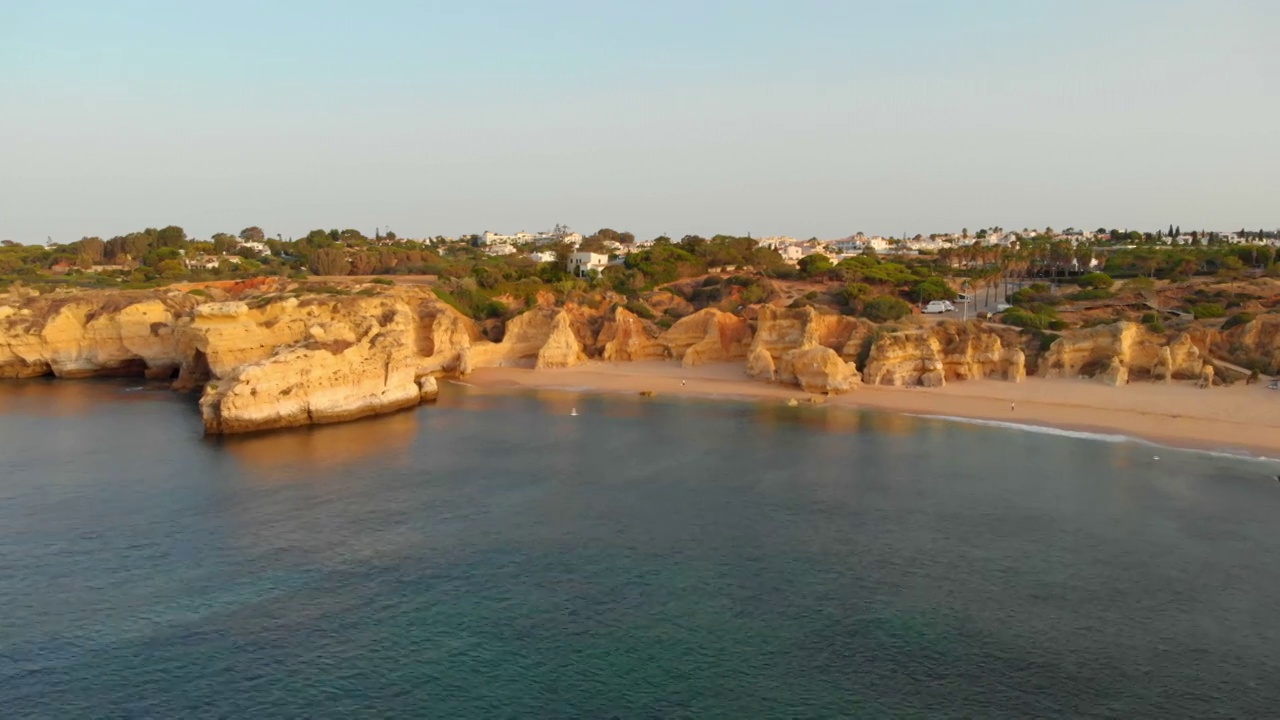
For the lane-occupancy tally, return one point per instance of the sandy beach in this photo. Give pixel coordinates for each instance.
(1238, 418)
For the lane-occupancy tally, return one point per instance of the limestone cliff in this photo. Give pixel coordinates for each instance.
(540, 338)
(286, 357)
(626, 337)
(92, 333)
(931, 356)
(362, 361)
(1117, 353)
(819, 369)
(1255, 343)
(779, 330)
(804, 347)
(906, 359)
(708, 335)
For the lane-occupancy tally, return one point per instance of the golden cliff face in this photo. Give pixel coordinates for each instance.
(934, 355)
(361, 362)
(1116, 354)
(708, 335)
(626, 337)
(283, 360)
(1255, 343)
(92, 333)
(806, 348)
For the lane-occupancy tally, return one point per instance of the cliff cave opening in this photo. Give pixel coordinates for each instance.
(195, 371)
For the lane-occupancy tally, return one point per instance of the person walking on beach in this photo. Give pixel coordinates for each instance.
(1012, 406)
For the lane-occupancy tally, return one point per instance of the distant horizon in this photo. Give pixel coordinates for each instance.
(805, 118)
(639, 238)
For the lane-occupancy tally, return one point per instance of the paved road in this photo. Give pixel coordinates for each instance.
(980, 302)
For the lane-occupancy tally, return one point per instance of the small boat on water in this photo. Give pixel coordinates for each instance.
(573, 412)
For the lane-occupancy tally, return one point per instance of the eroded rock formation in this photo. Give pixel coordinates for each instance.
(1118, 353)
(932, 356)
(93, 333)
(292, 358)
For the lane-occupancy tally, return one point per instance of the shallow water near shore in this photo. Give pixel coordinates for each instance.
(493, 556)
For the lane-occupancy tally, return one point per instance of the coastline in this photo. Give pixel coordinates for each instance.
(1236, 419)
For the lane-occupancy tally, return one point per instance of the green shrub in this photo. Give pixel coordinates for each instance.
(639, 309)
(864, 350)
(1037, 294)
(851, 292)
(1156, 326)
(383, 281)
(1047, 340)
(1148, 318)
(1091, 294)
(1059, 325)
(1241, 318)
(934, 288)
(1208, 310)
(1018, 317)
(885, 308)
(1095, 281)
(1139, 283)
(754, 293)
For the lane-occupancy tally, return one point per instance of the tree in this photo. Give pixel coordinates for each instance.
(933, 288)
(1095, 280)
(224, 243)
(329, 261)
(252, 233)
(815, 264)
(92, 249)
(171, 237)
(885, 308)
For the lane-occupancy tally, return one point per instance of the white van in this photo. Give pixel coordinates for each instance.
(939, 306)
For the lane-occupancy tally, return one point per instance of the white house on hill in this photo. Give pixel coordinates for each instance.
(581, 263)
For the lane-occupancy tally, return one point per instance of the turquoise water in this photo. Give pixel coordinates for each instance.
(493, 557)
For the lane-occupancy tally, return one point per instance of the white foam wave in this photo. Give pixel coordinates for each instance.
(1100, 437)
(1041, 429)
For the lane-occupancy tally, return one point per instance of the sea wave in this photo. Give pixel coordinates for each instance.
(1234, 454)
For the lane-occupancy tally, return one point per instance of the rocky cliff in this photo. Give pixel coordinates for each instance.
(1116, 354)
(1253, 344)
(934, 355)
(626, 337)
(362, 361)
(288, 358)
(708, 335)
(92, 333)
(804, 347)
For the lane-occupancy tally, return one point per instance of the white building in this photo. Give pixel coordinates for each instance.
(543, 256)
(209, 262)
(254, 245)
(790, 253)
(581, 263)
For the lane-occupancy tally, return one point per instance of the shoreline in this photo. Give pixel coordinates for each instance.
(1239, 420)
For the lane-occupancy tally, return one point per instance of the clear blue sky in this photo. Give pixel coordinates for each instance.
(797, 117)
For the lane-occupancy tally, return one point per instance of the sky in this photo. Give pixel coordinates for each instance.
(796, 117)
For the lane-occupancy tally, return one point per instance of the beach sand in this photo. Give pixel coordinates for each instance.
(1238, 418)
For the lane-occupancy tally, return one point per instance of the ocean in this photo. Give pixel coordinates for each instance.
(494, 556)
